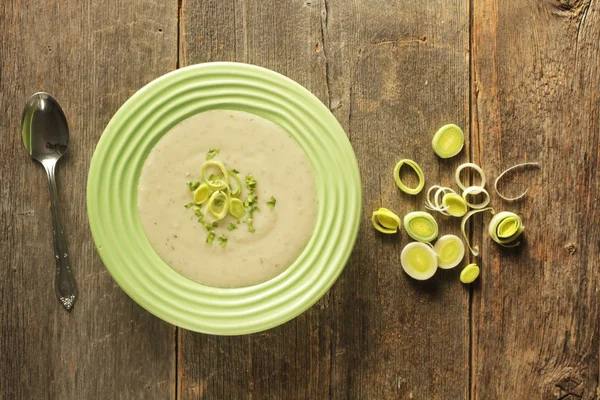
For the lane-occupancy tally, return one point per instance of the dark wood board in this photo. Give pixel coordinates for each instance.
(392, 73)
(91, 56)
(536, 97)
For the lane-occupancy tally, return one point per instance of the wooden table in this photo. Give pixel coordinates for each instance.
(522, 77)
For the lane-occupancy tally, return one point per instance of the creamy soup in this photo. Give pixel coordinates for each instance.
(251, 145)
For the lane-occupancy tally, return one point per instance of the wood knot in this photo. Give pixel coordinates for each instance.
(571, 248)
(570, 388)
(570, 6)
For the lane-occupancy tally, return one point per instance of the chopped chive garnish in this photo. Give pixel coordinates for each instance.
(271, 203)
(211, 153)
(222, 240)
(193, 185)
(231, 226)
(250, 182)
(210, 237)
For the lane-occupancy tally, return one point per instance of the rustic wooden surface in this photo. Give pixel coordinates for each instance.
(522, 78)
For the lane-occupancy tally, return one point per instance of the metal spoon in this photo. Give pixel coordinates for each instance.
(46, 137)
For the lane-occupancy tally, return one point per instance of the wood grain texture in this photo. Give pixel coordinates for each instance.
(392, 73)
(536, 97)
(92, 56)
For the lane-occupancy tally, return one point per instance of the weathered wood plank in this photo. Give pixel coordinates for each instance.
(536, 97)
(292, 361)
(92, 56)
(392, 73)
(398, 71)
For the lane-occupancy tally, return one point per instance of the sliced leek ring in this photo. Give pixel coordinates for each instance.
(450, 251)
(505, 229)
(236, 208)
(476, 167)
(469, 273)
(420, 226)
(218, 213)
(419, 261)
(219, 183)
(385, 221)
(474, 191)
(454, 205)
(415, 167)
(448, 141)
(201, 194)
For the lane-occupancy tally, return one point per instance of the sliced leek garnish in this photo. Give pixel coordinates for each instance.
(201, 194)
(420, 226)
(238, 190)
(527, 164)
(419, 260)
(415, 167)
(472, 166)
(469, 273)
(448, 141)
(385, 221)
(450, 251)
(219, 199)
(216, 184)
(437, 203)
(236, 208)
(454, 205)
(463, 223)
(474, 191)
(505, 228)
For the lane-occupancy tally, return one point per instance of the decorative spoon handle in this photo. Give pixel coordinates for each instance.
(65, 281)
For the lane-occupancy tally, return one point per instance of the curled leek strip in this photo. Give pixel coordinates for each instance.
(385, 221)
(450, 251)
(505, 228)
(473, 166)
(419, 260)
(448, 141)
(216, 197)
(527, 164)
(454, 205)
(236, 208)
(437, 203)
(463, 223)
(469, 273)
(217, 184)
(201, 194)
(420, 226)
(474, 191)
(238, 190)
(415, 167)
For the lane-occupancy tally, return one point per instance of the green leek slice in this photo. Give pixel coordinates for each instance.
(415, 167)
(450, 251)
(216, 184)
(238, 190)
(201, 194)
(463, 223)
(527, 164)
(385, 221)
(505, 228)
(474, 191)
(469, 273)
(476, 167)
(218, 213)
(236, 208)
(420, 226)
(448, 141)
(454, 205)
(419, 261)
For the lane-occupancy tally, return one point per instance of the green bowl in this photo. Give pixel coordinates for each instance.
(117, 229)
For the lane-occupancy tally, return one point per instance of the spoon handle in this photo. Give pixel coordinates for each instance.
(65, 281)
